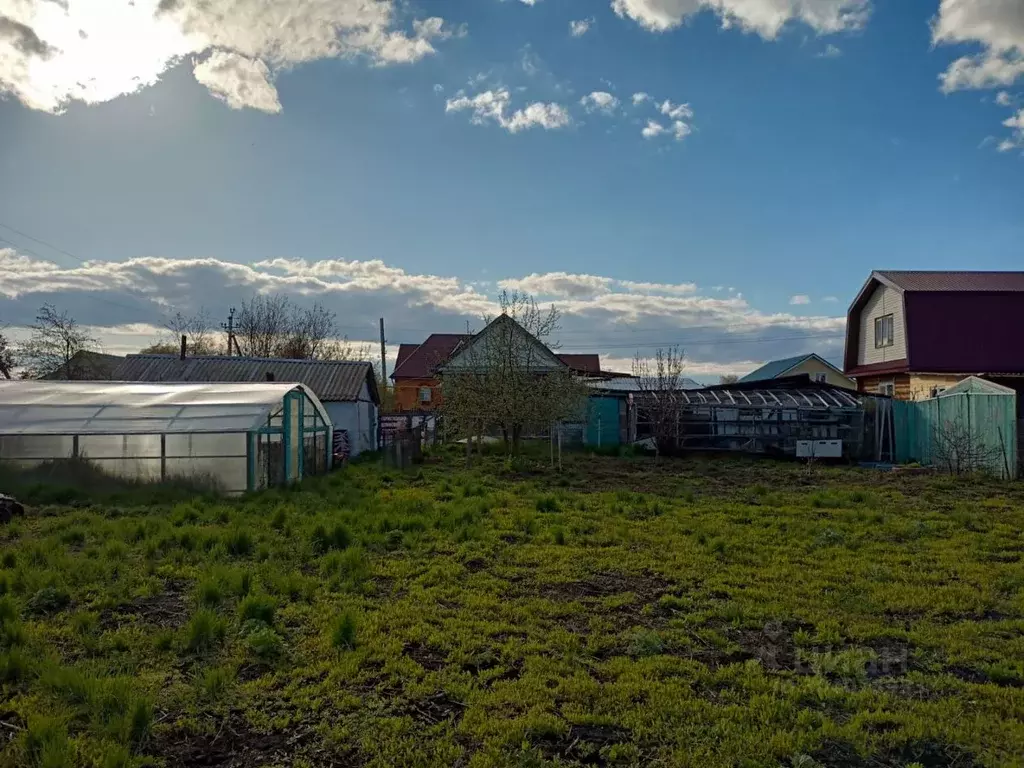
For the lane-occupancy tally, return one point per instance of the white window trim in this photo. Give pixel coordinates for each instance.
(889, 385)
(421, 391)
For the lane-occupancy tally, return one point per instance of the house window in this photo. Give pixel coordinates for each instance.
(821, 378)
(887, 387)
(883, 331)
(425, 394)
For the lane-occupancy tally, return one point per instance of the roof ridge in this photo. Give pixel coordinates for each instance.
(247, 358)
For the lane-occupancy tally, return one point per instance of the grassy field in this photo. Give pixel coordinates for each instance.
(692, 613)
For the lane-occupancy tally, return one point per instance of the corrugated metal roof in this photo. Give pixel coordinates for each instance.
(632, 384)
(421, 362)
(913, 280)
(774, 368)
(976, 386)
(331, 380)
(582, 363)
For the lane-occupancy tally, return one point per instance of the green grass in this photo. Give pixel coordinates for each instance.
(698, 612)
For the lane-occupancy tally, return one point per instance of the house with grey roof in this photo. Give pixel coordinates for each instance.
(347, 388)
(814, 366)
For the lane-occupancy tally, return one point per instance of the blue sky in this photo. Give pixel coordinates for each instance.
(393, 163)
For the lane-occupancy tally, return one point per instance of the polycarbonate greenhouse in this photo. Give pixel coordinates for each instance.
(237, 437)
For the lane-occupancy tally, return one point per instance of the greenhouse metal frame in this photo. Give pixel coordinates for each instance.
(238, 436)
(761, 420)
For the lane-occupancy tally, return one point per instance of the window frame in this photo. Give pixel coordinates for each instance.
(889, 340)
(887, 388)
(819, 377)
(421, 391)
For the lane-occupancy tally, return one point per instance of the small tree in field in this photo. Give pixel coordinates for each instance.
(56, 339)
(506, 378)
(6, 357)
(957, 451)
(660, 382)
(197, 329)
(728, 378)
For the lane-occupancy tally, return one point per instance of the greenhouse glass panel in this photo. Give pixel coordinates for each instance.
(237, 437)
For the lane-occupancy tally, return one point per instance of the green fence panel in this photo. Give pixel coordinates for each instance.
(989, 419)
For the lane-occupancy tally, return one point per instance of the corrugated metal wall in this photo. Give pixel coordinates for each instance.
(991, 420)
(603, 421)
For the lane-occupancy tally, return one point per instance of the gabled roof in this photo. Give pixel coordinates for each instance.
(467, 357)
(331, 380)
(921, 280)
(419, 361)
(85, 365)
(590, 364)
(776, 368)
(976, 386)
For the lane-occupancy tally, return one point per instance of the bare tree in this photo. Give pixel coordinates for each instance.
(56, 339)
(728, 378)
(198, 330)
(160, 348)
(263, 325)
(6, 357)
(508, 379)
(958, 451)
(660, 382)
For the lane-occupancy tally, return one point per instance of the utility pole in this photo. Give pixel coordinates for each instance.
(383, 357)
(230, 328)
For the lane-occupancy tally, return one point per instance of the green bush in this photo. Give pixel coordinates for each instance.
(48, 600)
(547, 504)
(44, 744)
(265, 643)
(343, 632)
(324, 540)
(209, 593)
(204, 631)
(257, 608)
(238, 543)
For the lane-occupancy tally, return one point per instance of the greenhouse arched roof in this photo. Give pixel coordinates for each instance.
(114, 407)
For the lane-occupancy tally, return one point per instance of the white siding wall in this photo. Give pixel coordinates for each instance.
(359, 419)
(884, 301)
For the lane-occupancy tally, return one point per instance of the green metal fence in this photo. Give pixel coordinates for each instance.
(972, 425)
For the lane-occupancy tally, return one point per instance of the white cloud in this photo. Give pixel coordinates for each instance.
(800, 299)
(676, 111)
(830, 299)
(640, 98)
(1016, 140)
(493, 106)
(600, 314)
(559, 284)
(600, 101)
(654, 129)
(997, 26)
(764, 17)
(238, 81)
(831, 52)
(96, 50)
(580, 27)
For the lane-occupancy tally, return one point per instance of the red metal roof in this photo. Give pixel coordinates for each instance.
(1010, 282)
(420, 362)
(404, 350)
(582, 363)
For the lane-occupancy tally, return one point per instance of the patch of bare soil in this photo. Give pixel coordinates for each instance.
(235, 744)
(840, 754)
(646, 586)
(167, 610)
(431, 659)
(437, 708)
(583, 744)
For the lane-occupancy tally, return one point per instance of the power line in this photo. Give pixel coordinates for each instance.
(87, 294)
